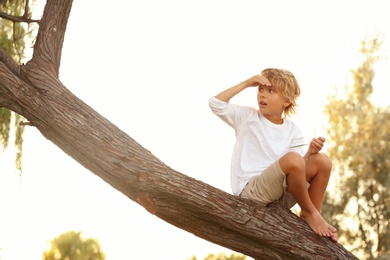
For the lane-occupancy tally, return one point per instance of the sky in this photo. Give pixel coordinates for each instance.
(150, 67)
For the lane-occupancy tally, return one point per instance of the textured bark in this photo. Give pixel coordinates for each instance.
(35, 92)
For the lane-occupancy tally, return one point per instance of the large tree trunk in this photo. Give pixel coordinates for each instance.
(35, 92)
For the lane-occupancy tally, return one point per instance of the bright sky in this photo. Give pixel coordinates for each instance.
(150, 67)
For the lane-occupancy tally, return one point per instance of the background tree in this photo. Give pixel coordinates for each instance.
(360, 148)
(13, 38)
(71, 245)
(34, 91)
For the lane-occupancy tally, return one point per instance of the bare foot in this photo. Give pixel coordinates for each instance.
(319, 225)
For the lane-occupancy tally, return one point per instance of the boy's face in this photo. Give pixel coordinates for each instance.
(271, 103)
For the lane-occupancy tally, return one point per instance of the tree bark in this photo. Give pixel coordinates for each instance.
(35, 92)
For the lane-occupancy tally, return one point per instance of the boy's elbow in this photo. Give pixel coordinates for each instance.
(222, 98)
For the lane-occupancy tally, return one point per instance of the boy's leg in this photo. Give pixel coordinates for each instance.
(267, 186)
(293, 165)
(318, 168)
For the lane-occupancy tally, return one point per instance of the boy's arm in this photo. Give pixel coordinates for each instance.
(254, 81)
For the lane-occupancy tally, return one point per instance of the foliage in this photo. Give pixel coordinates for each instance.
(13, 39)
(71, 246)
(222, 256)
(360, 148)
(12, 36)
(5, 126)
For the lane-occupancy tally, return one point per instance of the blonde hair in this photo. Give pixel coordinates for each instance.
(285, 83)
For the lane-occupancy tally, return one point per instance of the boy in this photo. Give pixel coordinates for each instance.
(268, 162)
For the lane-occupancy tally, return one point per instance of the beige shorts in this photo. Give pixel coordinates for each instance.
(269, 186)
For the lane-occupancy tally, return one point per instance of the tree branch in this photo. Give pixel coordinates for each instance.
(18, 19)
(50, 38)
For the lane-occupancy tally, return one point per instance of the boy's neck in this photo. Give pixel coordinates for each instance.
(275, 119)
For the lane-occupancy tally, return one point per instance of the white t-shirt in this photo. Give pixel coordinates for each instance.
(259, 142)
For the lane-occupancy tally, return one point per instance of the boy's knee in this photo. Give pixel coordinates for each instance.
(325, 162)
(318, 165)
(292, 161)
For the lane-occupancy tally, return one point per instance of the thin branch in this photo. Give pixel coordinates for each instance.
(18, 19)
(26, 8)
(24, 123)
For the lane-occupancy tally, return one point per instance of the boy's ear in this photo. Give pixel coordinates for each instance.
(287, 103)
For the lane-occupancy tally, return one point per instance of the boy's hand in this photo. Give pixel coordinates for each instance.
(254, 81)
(257, 80)
(316, 145)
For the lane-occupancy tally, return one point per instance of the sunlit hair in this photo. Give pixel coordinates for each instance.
(285, 83)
